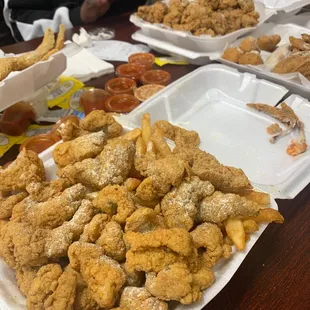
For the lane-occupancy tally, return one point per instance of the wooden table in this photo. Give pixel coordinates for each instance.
(275, 275)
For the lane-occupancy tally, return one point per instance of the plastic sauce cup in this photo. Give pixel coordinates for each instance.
(16, 119)
(144, 59)
(121, 103)
(94, 99)
(119, 86)
(159, 77)
(132, 71)
(39, 143)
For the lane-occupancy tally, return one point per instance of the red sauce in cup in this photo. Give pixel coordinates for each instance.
(159, 77)
(121, 103)
(119, 86)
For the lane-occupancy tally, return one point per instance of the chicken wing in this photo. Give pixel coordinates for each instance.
(180, 205)
(112, 166)
(83, 147)
(103, 275)
(27, 168)
(219, 206)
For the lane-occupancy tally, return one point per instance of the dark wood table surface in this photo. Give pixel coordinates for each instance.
(275, 275)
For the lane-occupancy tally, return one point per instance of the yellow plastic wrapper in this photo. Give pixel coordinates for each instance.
(66, 93)
(161, 61)
(6, 141)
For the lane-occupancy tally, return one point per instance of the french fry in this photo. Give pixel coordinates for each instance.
(132, 135)
(235, 231)
(131, 184)
(250, 226)
(160, 143)
(146, 128)
(140, 147)
(260, 198)
(268, 215)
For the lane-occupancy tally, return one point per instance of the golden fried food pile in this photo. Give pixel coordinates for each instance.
(209, 17)
(130, 224)
(286, 58)
(47, 48)
(290, 120)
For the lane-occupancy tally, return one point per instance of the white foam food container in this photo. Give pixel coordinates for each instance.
(212, 101)
(294, 82)
(285, 5)
(19, 85)
(198, 43)
(12, 299)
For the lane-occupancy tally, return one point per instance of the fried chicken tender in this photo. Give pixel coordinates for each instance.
(219, 23)
(52, 289)
(25, 277)
(180, 205)
(251, 58)
(232, 54)
(152, 251)
(306, 37)
(219, 206)
(7, 204)
(81, 148)
(138, 298)
(27, 168)
(249, 20)
(115, 200)
(248, 44)
(60, 238)
(268, 43)
(84, 299)
(177, 282)
(154, 13)
(162, 174)
(103, 275)
(175, 12)
(207, 168)
(144, 220)
(112, 166)
(111, 240)
(224, 4)
(56, 211)
(92, 231)
(210, 237)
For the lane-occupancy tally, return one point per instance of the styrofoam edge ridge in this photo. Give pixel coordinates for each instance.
(289, 8)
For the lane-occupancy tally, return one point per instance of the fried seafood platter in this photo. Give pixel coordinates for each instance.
(47, 48)
(202, 17)
(129, 223)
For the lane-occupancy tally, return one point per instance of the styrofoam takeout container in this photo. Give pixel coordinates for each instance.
(202, 43)
(295, 83)
(12, 299)
(19, 85)
(286, 6)
(212, 101)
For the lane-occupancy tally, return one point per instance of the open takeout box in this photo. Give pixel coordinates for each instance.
(212, 92)
(212, 101)
(202, 43)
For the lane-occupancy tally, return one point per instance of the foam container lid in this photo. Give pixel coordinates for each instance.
(198, 43)
(284, 5)
(30, 80)
(212, 101)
